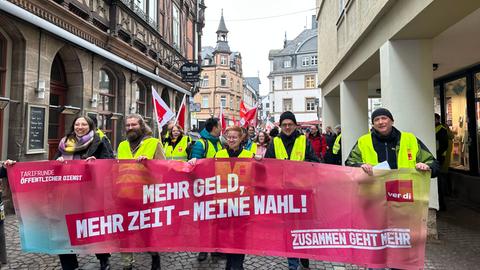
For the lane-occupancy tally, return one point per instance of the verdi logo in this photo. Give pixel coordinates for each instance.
(399, 190)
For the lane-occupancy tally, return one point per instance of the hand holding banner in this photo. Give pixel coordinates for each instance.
(322, 212)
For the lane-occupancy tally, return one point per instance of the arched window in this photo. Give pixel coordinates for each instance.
(107, 103)
(141, 99)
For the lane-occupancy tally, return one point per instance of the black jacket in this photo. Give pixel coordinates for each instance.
(288, 142)
(99, 149)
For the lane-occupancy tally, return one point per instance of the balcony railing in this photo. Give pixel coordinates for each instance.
(140, 12)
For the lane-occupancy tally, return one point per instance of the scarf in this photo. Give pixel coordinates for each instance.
(68, 147)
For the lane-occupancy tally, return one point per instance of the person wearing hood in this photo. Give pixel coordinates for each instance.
(291, 144)
(386, 143)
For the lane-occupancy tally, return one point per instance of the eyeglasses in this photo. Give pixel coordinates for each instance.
(287, 125)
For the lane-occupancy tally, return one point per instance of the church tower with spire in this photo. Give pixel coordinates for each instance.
(221, 87)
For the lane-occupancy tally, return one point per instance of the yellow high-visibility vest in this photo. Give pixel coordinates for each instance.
(211, 149)
(337, 145)
(224, 154)
(298, 150)
(180, 150)
(407, 154)
(253, 148)
(147, 148)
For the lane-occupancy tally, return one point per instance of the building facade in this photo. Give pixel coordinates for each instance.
(293, 78)
(60, 59)
(417, 64)
(251, 91)
(221, 80)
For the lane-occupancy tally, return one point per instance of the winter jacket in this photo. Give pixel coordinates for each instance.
(97, 149)
(319, 145)
(387, 148)
(198, 150)
(288, 142)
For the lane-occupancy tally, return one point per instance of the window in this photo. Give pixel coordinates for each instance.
(223, 101)
(231, 83)
(341, 7)
(3, 63)
(305, 61)
(231, 103)
(313, 60)
(206, 62)
(267, 105)
(287, 104)
(287, 63)
(287, 82)
(223, 80)
(456, 116)
(205, 101)
(223, 60)
(140, 97)
(205, 81)
(310, 104)
(107, 103)
(176, 27)
(148, 10)
(309, 81)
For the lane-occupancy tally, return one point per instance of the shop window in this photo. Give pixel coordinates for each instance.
(456, 119)
(477, 112)
(436, 99)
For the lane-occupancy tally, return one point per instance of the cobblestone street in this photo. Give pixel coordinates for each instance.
(458, 248)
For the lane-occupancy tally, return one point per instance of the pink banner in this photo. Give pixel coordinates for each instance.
(268, 207)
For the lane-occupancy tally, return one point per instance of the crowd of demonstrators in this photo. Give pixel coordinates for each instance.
(83, 142)
(176, 144)
(384, 143)
(139, 145)
(318, 142)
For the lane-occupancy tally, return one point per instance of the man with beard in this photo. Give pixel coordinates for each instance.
(139, 145)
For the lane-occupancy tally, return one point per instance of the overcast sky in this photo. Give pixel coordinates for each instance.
(255, 27)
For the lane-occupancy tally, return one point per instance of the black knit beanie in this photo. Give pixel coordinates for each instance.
(381, 111)
(288, 115)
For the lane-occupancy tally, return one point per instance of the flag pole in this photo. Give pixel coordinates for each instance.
(156, 116)
(179, 109)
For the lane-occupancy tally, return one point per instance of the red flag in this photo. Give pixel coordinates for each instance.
(248, 117)
(181, 115)
(162, 111)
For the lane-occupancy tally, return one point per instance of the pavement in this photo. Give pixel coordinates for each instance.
(458, 247)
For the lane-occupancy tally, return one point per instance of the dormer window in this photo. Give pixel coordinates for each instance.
(287, 63)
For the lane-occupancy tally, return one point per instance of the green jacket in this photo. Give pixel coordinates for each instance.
(387, 150)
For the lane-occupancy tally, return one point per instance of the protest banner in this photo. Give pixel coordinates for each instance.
(267, 207)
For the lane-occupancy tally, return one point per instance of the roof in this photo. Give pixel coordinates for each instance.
(305, 42)
(254, 82)
(221, 26)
